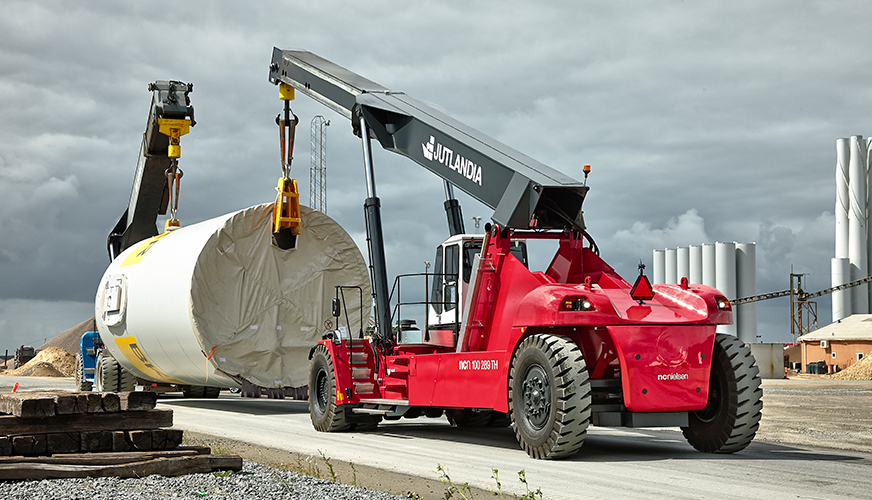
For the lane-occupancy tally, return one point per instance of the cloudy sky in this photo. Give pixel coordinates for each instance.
(703, 121)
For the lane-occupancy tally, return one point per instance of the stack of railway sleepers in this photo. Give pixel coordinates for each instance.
(90, 434)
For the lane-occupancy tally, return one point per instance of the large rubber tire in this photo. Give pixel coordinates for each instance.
(468, 418)
(549, 396)
(326, 415)
(193, 391)
(126, 380)
(81, 383)
(211, 392)
(731, 417)
(106, 377)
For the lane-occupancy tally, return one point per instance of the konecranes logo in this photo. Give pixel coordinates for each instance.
(435, 151)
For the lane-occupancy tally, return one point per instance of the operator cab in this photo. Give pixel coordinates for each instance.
(454, 260)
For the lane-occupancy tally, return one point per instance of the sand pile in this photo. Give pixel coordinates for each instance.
(861, 370)
(50, 362)
(41, 369)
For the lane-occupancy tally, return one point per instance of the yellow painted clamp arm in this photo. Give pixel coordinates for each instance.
(286, 211)
(174, 128)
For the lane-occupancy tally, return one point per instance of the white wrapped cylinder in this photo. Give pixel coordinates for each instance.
(857, 224)
(695, 264)
(216, 302)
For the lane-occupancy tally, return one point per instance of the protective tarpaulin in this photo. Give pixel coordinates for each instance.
(258, 309)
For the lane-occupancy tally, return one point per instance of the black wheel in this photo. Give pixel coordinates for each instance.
(106, 378)
(211, 392)
(126, 380)
(549, 396)
(468, 418)
(193, 391)
(499, 419)
(433, 412)
(326, 415)
(731, 417)
(81, 383)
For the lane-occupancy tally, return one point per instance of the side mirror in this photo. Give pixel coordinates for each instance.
(337, 308)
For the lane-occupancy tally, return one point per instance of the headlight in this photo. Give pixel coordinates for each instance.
(723, 304)
(576, 304)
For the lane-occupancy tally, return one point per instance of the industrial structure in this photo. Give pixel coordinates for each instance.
(728, 266)
(839, 344)
(851, 259)
(318, 164)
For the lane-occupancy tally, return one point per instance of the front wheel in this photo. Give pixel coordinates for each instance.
(731, 416)
(106, 377)
(549, 396)
(81, 383)
(326, 415)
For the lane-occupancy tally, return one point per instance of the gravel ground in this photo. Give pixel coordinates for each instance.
(254, 481)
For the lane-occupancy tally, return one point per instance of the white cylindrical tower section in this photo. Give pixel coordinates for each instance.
(695, 264)
(746, 286)
(868, 232)
(709, 276)
(857, 252)
(840, 271)
(843, 197)
(659, 273)
(671, 267)
(215, 303)
(725, 277)
(682, 255)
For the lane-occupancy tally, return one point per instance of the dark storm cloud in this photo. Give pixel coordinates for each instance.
(702, 121)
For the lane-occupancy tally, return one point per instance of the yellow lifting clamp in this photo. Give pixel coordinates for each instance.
(174, 128)
(286, 211)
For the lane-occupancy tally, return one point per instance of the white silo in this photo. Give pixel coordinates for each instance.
(709, 276)
(746, 286)
(840, 271)
(659, 273)
(683, 263)
(725, 277)
(695, 264)
(671, 266)
(857, 252)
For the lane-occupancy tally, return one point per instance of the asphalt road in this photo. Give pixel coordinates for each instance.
(614, 463)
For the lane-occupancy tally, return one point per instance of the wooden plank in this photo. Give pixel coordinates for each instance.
(109, 458)
(5, 446)
(170, 467)
(120, 441)
(71, 404)
(140, 440)
(128, 420)
(96, 441)
(63, 442)
(23, 405)
(136, 401)
(111, 402)
(35, 444)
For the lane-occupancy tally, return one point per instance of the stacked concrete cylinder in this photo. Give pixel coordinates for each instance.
(728, 266)
(853, 251)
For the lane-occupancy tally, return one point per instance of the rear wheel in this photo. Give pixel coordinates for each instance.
(106, 377)
(731, 417)
(326, 415)
(468, 418)
(549, 396)
(126, 380)
(81, 383)
(211, 392)
(193, 391)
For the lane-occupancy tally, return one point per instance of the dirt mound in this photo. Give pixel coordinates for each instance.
(41, 369)
(69, 340)
(53, 361)
(861, 370)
